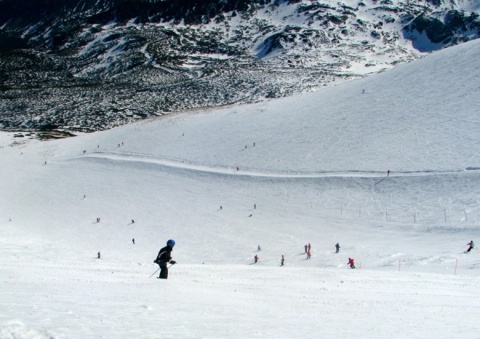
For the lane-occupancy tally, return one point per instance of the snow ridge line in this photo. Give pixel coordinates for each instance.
(249, 171)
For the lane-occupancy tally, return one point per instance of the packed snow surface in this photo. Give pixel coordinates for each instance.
(279, 175)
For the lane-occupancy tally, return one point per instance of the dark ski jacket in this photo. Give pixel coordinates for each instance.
(165, 254)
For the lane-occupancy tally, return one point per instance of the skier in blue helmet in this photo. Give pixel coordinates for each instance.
(164, 257)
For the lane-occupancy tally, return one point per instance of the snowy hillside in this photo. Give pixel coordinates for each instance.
(279, 174)
(92, 65)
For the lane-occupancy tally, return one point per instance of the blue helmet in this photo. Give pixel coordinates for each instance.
(171, 243)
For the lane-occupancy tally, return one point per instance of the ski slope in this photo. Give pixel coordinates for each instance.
(279, 174)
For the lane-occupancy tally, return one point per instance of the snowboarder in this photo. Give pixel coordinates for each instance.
(133, 241)
(282, 260)
(165, 256)
(308, 254)
(470, 246)
(98, 255)
(351, 262)
(337, 247)
(306, 247)
(255, 258)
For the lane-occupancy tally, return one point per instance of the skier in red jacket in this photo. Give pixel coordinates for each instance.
(351, 262)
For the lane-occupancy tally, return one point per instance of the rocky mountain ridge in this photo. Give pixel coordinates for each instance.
(92, 65)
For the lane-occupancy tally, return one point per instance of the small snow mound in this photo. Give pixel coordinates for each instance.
(17, 330)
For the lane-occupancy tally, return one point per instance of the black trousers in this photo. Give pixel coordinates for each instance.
(163, 269)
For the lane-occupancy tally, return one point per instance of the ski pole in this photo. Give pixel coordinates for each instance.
(154, 273)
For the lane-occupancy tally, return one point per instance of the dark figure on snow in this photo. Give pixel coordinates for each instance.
(470, 246)
(388, 173)
(133, 240)
(164, 257)
(351, 262)
(282, 260)
(259, 248)
(133, 221)
(255, 258)
(98, 255)
(309, 247)
(337, 247)
(308, 254)
(306, 248)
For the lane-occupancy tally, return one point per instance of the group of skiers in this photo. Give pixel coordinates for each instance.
(307, 247)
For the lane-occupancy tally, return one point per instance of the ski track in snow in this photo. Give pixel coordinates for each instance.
(247, 171)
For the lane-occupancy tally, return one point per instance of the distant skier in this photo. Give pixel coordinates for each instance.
(164, 257)
(259, 248)
(98, 219)
(306, 248)
(133, 241)
(337, 247)
(388, 173)
(255, 258)
(308, 254)
(309, 247)
(351, 262)
(133, 221)
(282, 260)
(470, 246)
(98, 255)
(254, 206)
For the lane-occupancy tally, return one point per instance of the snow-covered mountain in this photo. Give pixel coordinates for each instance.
(92, 65)
(311, 168)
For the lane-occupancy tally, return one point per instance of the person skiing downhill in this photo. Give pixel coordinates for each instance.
(337, 247)
(471, 245)
(351, 262)
(282, 260)
(165, 256)
(255, 258)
